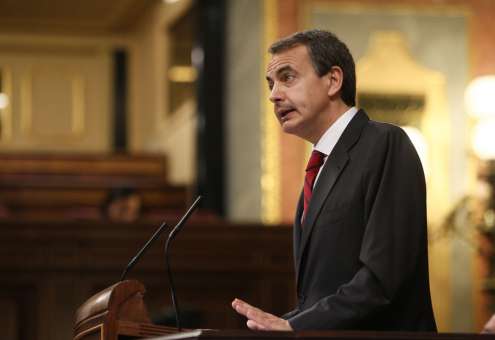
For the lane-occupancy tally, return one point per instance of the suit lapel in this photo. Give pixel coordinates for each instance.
(334, 166)
(297, 233)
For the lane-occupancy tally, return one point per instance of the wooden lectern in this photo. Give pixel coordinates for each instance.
(118, 312)
(319, 335)
(200, 334)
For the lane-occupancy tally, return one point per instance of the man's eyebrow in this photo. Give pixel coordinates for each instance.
(281, 70)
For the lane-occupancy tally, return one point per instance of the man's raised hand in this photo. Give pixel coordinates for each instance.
(259, 320)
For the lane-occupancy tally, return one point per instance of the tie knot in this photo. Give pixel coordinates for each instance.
(316, 160)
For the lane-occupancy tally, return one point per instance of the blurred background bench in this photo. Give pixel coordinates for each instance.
(77, 186)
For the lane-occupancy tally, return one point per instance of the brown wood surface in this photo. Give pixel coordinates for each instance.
(68, 187)
(87, 164)
(49, 269)
(117, 311)
(333, 335)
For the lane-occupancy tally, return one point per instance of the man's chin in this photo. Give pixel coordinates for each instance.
(289, 128)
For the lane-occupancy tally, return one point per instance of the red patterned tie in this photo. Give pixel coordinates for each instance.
(314, 164)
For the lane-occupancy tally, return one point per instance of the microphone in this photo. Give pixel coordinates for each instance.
(141, 252)
(171, 236)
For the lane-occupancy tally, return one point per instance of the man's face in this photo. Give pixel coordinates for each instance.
(125, 209)
(299, 95)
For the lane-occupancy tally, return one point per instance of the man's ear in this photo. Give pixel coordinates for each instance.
(336, 78)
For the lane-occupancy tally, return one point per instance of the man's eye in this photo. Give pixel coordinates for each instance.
(288, 77)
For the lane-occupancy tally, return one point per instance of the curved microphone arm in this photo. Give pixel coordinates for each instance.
(142, 250)
(172, 287)
(171, 236)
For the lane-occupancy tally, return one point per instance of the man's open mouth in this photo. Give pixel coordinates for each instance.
(285, 112)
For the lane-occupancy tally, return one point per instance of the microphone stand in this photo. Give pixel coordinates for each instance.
(172, 287)
(171, 236)
(142, 250)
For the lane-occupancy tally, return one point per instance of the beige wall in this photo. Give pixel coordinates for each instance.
(243, 109)
(152, 127)
(61, 91)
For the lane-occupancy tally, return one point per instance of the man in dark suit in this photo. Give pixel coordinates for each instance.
(360, 238)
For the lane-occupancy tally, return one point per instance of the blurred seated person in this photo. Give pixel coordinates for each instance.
(123, 205)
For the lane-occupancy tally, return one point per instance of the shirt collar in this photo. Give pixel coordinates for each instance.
(330, 138)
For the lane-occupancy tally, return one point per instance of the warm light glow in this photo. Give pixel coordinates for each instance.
(182, 74)
(170, 1)
(4, 101)
(197, 57)
(484, 139)
(480, 97)
(420, 144)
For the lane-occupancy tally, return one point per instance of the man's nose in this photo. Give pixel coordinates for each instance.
(276, 94)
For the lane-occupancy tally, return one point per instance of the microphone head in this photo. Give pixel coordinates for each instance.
(185, 217)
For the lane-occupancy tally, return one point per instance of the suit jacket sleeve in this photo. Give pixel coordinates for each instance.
(290, 314)
(394, 237)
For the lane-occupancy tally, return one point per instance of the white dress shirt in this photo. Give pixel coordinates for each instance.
(330, 138)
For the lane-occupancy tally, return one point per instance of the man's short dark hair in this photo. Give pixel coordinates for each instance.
(325, 51)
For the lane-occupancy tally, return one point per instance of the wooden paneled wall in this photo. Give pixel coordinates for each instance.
(68, 187)
(48, 269)
(52, 261)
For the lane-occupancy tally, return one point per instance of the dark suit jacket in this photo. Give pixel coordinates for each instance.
(361, 254)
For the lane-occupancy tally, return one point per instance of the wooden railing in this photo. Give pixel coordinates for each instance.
(71, 187)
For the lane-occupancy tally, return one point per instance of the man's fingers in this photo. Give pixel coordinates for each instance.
(245, 305)
(246, 309)
(241, 307)
(258, 319)
(267, 321)
(252, 313)
(249, 312)
(238, 303)
(259, 316)
(255, 326)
